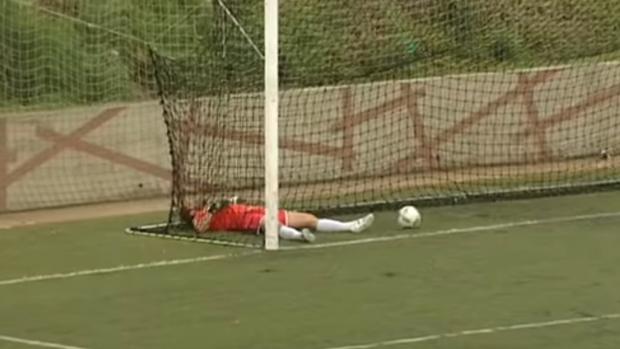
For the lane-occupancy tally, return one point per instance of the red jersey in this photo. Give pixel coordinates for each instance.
(240, 217)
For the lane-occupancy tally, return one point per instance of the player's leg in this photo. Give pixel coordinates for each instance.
(285, 231)
(355, 226)
(289, 233)
(301, 220)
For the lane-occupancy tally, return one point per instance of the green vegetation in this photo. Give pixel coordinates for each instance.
(46, 60)
(71, 52)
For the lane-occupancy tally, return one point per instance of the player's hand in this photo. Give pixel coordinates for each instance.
(223, 203)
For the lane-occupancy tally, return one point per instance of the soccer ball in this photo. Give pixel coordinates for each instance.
(409, 217)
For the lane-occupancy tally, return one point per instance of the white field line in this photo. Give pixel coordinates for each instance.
(481, 331)
(122, 268)
(37, 343)
(166, 263)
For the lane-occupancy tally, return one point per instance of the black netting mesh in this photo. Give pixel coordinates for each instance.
(388, 101)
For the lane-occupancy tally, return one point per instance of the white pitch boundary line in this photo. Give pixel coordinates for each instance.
(123, 268)
(165, 263)
(37, 343)
(481, 331)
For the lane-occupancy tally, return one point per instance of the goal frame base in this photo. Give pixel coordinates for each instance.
(162, 231)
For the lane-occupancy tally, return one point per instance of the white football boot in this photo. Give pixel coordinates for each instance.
(363, 223)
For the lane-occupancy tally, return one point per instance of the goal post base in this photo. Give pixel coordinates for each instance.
(177, 232)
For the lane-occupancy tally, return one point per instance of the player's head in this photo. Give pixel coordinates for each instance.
(200, 219)
(186, 214)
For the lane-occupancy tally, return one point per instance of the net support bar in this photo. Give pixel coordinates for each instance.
(271, 124)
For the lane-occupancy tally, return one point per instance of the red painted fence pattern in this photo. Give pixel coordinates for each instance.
(120, 152)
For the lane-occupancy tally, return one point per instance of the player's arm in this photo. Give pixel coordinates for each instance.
(223, 203)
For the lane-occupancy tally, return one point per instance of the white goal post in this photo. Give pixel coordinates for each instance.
(271, 125)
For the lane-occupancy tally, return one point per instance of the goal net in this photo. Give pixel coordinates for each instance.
(384, 102)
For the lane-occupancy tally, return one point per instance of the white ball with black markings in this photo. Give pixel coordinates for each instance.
(409, 217)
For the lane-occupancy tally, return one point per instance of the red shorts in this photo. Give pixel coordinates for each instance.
(244, 218)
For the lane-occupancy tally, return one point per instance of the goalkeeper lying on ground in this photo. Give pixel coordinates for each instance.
(232, 215)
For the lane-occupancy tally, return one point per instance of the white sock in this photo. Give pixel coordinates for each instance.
(325, 225)
(289, 233)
